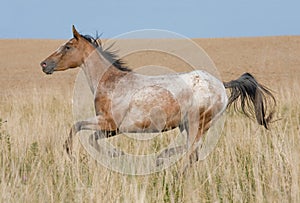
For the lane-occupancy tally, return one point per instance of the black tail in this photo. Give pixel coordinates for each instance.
(254, 98)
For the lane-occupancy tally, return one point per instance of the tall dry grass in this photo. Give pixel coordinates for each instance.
(249, 164)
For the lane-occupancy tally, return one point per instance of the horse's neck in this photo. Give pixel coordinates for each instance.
(94, 67)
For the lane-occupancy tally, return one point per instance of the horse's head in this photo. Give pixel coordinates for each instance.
(69, 55)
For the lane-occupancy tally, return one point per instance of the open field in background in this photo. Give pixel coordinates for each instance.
(249, 164)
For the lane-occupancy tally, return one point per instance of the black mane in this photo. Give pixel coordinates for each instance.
(111, 56)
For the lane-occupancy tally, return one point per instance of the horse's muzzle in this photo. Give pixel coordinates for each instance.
(48, 67)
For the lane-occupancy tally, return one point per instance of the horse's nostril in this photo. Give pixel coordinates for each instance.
(43, 64)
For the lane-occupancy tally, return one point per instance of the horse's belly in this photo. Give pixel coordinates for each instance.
(151, 109)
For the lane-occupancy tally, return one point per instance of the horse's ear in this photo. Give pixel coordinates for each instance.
(75, 33)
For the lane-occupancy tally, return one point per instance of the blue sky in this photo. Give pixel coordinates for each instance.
(191, 18)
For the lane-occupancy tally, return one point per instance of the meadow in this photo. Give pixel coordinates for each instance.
(249, 163)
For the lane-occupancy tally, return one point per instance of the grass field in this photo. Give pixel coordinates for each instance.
(249, 163)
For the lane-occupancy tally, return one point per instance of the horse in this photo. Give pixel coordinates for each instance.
(126, 101)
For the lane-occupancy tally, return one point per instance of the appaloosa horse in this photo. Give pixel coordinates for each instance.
(126, 101)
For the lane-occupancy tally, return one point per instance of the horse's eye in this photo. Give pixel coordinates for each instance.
(68, 47)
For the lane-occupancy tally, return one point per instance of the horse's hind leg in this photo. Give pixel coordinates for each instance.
(184, 126)
(205, 119)
(194, 156)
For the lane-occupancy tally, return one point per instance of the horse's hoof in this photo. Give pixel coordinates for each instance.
(68, 150)
(66, 147)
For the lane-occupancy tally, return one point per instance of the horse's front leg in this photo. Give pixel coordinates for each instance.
(97, 123)
(90, 124)
(93, 141)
